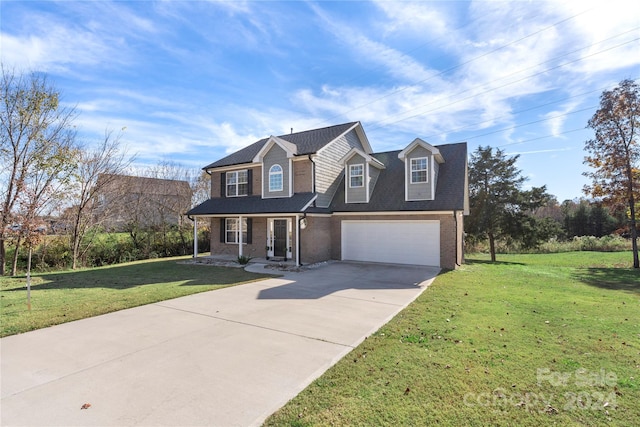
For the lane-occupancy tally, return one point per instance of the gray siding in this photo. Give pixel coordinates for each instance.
(436, 168)
(328, 167)
(422, 191)
(357, 194)
(276, 155)
(373, 178)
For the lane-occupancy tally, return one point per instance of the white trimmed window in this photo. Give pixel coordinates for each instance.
(419, 170)
(356, 176)
(231, 230)
(275, 178)
(237, 183)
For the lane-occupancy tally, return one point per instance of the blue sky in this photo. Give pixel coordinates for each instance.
(192, 81)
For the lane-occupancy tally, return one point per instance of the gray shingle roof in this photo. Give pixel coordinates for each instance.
(252, 205)
(388, 193)
(308, 142)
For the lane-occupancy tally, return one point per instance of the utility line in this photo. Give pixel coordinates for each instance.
(384, 123)
(531, 123)
(458, 65)
(524, 111)
(540, 137)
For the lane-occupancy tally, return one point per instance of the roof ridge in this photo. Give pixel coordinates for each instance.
(316, 129)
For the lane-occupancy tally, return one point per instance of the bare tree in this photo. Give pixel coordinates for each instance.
(106, 161)
(200, 188)
(169, 193)
(37, 144)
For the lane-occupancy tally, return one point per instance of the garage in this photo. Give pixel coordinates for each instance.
(397, 242)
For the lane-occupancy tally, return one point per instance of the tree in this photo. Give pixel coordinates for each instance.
(105, 161)
(614, 153)
(498, 206)
(37, 143)
(200, 188)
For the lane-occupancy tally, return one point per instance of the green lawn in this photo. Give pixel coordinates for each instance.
(530, 340)
(65, 296)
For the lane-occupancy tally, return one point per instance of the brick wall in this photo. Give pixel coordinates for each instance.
(315, 240)
(256, 182)
(257, 248)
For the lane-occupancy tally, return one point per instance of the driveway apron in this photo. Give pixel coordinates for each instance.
(229, 357)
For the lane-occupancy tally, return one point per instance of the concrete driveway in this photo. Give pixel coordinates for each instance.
(221, 358)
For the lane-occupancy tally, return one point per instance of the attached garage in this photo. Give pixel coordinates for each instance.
(391, 241)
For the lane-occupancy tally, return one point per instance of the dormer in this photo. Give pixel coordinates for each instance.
(276, 157)
(421, 164)
(361, 173)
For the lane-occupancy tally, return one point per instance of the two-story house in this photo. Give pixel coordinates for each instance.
(324, 194)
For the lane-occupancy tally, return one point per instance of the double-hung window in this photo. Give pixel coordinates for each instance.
(237, 183)
(275, 178)
(232, 230)
(356, 176)
(419, 170)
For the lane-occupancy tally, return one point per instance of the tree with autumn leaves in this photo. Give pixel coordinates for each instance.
(37, 148)
(614, 154)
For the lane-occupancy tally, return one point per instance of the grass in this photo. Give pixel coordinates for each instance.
(531, 340)
(71, 295)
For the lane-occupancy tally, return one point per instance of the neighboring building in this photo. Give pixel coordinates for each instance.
(323, 194)
(126, 200)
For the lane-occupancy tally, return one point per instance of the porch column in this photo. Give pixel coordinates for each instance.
(297, 240)
(240, 236)
(195, 238)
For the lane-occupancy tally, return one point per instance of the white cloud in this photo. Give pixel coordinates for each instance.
(421, 18)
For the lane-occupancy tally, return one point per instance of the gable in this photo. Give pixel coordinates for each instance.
(276, 168)
(361, 171)
(329, 164)
(421, 163)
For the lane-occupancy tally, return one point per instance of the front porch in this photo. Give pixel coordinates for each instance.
(264, 238)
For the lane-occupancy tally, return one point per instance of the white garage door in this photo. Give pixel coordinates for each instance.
(398, 242)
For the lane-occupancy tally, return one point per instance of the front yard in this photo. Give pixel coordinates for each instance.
(71, 295)
(531, 340)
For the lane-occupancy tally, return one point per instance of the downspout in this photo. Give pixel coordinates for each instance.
(455, 216)
(313, 177)
(297, 240)
(240, 243)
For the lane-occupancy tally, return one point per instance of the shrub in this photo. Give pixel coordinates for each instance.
(611, 243)
(243, 259)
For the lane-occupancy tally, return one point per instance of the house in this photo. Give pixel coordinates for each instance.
(324, 194)
(124, 201)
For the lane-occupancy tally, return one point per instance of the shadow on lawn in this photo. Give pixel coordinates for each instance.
(472, 261)
(130, 276)
(623, 279)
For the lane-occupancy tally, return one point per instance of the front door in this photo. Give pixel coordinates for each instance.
(280, 237)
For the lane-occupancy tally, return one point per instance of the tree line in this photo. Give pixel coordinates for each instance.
(501, 210)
